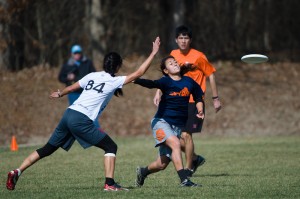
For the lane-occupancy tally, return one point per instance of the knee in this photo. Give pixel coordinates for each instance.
(162, 165)
(111, 148)
(46, 150)
(186, 136)
(173, 142)
(176, 145)
(108, 145)
(162, 162)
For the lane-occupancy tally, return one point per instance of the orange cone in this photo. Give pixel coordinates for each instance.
(14, 145)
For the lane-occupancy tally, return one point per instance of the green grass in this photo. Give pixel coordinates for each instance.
(236, 167)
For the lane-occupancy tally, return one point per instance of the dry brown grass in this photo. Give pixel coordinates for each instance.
(257, 99)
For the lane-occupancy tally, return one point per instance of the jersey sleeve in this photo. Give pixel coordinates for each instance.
(173, 53)
(83, 81)
(148, 83)
(120, 82)
(205, 66)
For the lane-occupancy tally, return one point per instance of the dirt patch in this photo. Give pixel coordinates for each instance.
(260, 99)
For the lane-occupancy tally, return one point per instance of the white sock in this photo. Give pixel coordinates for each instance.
(19, 172)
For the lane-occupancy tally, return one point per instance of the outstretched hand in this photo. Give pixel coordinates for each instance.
(156, 45)
(55, 94)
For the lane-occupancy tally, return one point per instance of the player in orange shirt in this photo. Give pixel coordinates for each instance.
(186, 55)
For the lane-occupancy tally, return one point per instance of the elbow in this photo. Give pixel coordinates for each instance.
(140, 73)
(212, 77)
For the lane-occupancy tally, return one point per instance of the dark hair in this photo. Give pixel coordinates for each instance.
(184, 30)
(183, 69)
(111, 63)
(163, 64)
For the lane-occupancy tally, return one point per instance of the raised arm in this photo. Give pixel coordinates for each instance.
(144, 67)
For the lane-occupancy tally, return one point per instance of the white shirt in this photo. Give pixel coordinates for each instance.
(98, 89)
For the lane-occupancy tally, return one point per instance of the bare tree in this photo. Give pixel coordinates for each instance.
(3, 29)
(174, 14)
(35, 32)
(97, 30)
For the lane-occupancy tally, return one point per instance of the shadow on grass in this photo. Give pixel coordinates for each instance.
(133, 187)
(219, 175)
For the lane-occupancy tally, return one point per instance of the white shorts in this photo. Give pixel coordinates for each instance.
(161, 131)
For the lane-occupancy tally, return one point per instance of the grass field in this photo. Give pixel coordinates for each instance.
(236, 167)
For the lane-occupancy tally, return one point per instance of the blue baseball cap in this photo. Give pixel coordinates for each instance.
(76, 49)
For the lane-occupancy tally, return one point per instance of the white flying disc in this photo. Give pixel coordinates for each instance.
(254, 58)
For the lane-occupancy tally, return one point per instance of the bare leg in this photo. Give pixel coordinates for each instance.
(109, 165)
(162, 161)
(174, 143)
(188, 146)
(29, 161)
(182, 144)
(13, 176)
(159, 164)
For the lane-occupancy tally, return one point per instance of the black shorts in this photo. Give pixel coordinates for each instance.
(75, 125)
(193, 123)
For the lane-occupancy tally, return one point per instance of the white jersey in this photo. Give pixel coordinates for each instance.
(98, 89)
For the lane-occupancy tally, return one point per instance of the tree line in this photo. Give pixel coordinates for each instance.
(40, 32)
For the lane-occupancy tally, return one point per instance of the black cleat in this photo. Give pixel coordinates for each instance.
(197, 163)
(139, 177)
(189, 183)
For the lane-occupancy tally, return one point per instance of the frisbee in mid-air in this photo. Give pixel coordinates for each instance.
(254, 58)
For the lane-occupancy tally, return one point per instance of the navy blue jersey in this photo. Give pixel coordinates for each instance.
(173, 106)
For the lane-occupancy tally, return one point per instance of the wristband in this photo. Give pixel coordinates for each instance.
(216, 97)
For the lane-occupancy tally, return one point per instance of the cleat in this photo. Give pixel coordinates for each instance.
(114, 187)
(139, 177)
(189, 183)
(198, 162)
(12, 179)
(189, 172)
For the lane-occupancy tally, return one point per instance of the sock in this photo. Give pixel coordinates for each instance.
(145, 171)
(182, 174)
(195, 161)
(109, 181)
(19, 172)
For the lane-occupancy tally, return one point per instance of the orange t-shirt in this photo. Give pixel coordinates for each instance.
(198, 59)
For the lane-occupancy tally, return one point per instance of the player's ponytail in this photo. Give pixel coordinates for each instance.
(111, 64)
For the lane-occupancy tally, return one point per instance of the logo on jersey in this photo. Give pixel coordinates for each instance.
(184, 92)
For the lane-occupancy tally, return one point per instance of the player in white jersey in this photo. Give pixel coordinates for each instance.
(77, 121)
(98, 90)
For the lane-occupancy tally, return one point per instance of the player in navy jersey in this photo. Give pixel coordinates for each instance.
(170, 117)
(77, 121)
